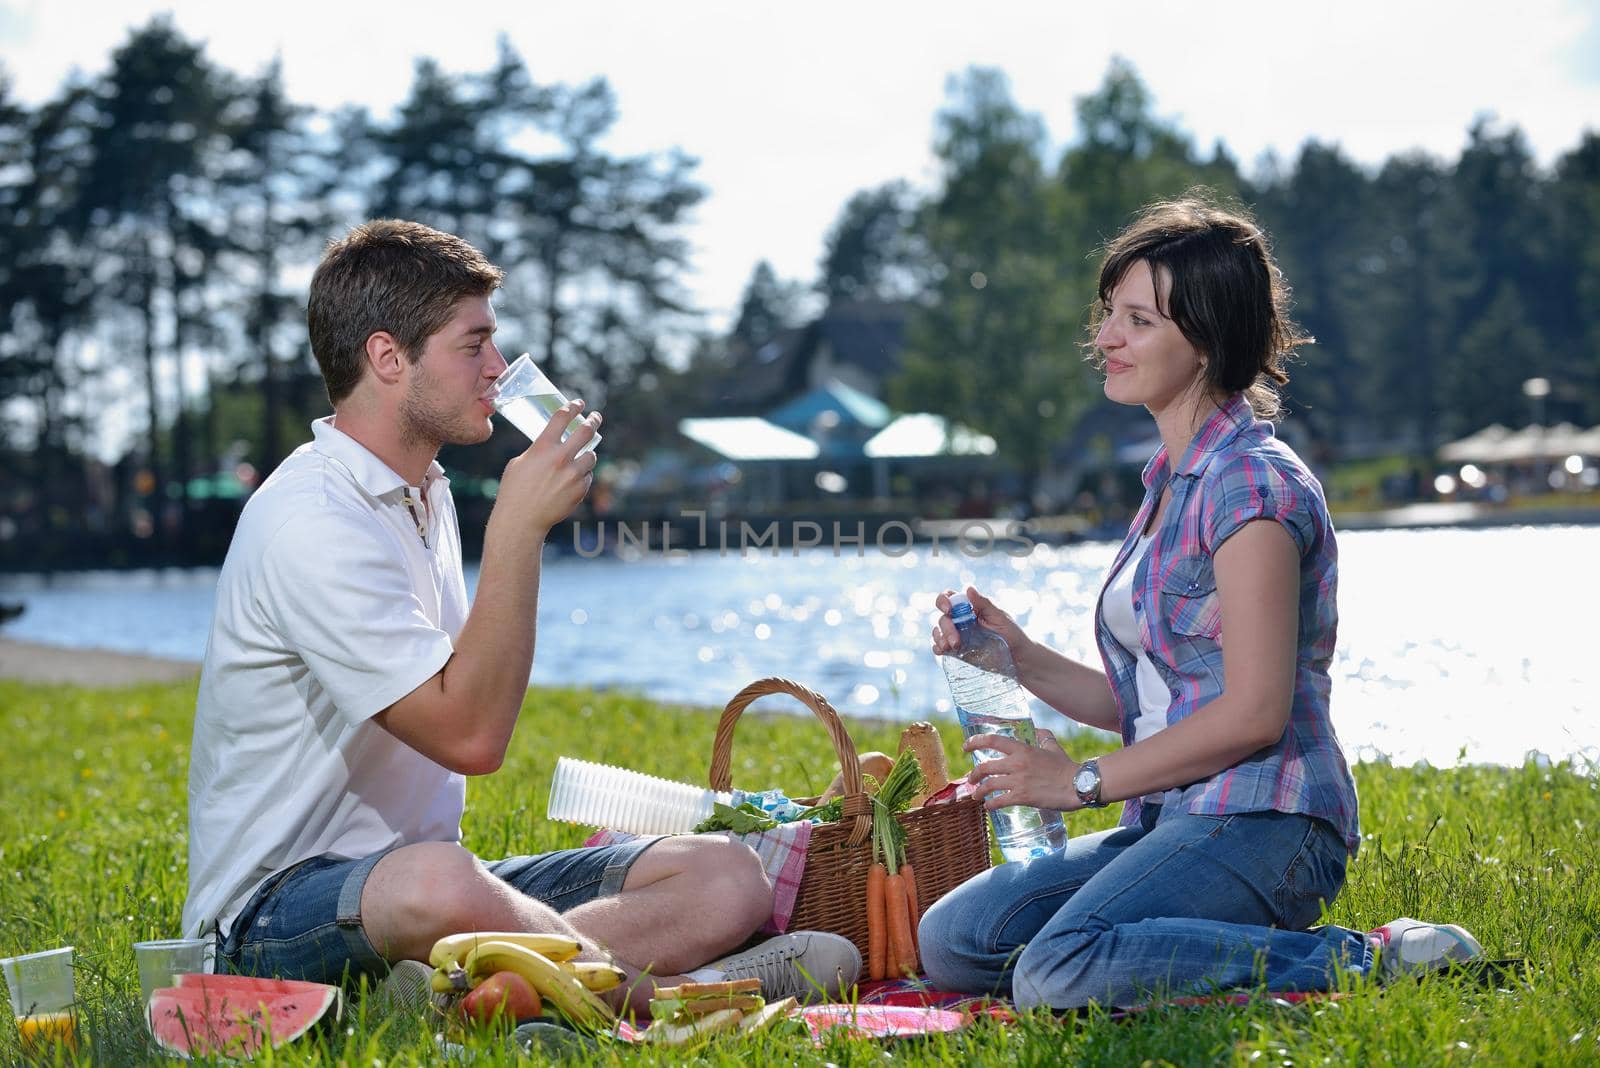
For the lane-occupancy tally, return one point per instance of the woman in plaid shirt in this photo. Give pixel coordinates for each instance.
(1216, 627)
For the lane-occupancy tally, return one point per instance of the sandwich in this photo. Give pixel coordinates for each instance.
(696, 1010)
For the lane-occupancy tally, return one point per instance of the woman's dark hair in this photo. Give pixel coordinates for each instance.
(1227, 296)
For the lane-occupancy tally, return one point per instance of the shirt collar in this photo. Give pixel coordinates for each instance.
(1221, 427)
(375, 477)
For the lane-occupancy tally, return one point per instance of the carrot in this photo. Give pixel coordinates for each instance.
(915, 909)
(877, 942)
(902, 950)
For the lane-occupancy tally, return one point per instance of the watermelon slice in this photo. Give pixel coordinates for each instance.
(237, 1015)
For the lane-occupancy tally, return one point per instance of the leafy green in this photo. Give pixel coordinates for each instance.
(831, 812)
(746, 819)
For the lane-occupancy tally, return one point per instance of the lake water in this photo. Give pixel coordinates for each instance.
(1452, 643)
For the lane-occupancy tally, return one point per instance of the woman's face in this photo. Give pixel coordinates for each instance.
(1148, 360)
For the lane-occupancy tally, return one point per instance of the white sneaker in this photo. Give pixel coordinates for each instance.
(809, 965)
(407, 987)
(1411, 947)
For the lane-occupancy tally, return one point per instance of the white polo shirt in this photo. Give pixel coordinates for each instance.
(331, 606)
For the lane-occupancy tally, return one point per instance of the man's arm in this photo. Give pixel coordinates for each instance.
(462, 717)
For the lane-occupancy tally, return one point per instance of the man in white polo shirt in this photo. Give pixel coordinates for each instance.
(348, 686)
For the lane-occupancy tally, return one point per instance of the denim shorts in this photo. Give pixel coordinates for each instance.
(305, 921)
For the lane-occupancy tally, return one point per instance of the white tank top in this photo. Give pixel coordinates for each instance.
(1124, 625)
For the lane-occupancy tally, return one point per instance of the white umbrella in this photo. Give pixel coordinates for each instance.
(1484, 446)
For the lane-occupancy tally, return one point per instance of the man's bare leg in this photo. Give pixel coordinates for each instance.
(686, 901)
(663, 920)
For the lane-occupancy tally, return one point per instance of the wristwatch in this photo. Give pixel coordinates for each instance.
(1087, 783)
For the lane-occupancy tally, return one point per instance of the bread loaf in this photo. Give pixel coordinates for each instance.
(878, 765)
(923, 740)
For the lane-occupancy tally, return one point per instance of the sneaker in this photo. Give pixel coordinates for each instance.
(407, 987)
(1411, 947)
(809, 965)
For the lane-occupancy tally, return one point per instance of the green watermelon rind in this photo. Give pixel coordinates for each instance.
(236, 1015)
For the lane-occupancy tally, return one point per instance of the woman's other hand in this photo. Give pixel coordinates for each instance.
(1024, 775)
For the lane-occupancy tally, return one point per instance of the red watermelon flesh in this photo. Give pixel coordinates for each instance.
(236, 1015)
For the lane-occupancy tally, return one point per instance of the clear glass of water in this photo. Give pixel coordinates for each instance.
(527, 399)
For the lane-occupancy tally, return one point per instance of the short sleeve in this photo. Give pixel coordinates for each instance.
(1252, 487)
(338, 592)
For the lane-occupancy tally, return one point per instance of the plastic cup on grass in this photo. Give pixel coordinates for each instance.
(160, 960)
(42, 997)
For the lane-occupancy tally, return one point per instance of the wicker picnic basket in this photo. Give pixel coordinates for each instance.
(947, 844)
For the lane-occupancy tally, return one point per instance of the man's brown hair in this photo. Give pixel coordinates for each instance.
(400, 277)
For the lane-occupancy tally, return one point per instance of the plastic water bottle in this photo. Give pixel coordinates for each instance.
(989, 700)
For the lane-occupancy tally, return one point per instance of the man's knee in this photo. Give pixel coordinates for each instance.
(421, 891)
(733, 880)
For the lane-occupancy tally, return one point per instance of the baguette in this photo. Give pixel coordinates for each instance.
(923, 740)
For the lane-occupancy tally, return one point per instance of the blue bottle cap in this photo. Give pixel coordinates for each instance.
(961, 610)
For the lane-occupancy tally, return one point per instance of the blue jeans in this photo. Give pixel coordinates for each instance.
(305, 921)
(1189, 904)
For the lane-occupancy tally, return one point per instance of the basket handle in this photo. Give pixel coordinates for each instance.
(856, 807)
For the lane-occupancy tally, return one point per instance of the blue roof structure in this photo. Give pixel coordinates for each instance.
(854, 409)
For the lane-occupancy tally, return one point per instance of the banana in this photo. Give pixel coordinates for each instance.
(595, 975)
(456, 947)
(556, 986)
(441, 982)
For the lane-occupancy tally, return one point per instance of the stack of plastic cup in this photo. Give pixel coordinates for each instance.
(603, 796)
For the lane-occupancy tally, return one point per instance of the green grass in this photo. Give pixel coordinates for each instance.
(92, 854)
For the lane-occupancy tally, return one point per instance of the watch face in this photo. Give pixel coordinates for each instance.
(1085, 780)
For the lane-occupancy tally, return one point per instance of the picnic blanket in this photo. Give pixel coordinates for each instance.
(782, 851)
(860, 1021)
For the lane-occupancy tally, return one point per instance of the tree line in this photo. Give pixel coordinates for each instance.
(158, 221)
(157, 226)
(1434, 289)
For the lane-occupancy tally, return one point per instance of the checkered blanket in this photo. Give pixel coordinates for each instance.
(782, 851)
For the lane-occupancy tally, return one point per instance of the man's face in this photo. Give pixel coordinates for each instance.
(445, 401)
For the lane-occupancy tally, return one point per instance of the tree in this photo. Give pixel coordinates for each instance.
(767, 308)
(274, 219)
(1125, 157)
(997, 347)
(45, 291)
(874, 250)
(1511, 265)
(1482, 382)
(1318, 217)
(598, 246)
(157, 141)
(591, 242)
(1575, 224)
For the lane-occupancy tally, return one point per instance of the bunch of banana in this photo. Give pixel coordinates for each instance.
(452, 949)
(463, 961)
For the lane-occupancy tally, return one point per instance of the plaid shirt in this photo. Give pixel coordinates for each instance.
(1235, 471)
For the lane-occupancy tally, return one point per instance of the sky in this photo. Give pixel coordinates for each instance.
(792, 108)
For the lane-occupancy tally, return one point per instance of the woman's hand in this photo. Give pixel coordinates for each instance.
(1024, 775)
(946, 639)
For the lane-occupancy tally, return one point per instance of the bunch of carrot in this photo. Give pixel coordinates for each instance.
(892, 909)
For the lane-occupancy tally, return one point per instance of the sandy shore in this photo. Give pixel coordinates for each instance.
(31, 662)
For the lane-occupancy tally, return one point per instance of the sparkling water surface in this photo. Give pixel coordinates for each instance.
(1453, 644)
